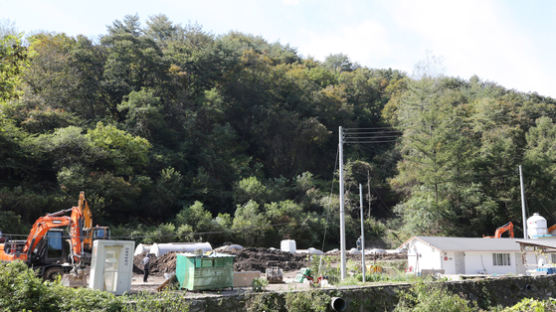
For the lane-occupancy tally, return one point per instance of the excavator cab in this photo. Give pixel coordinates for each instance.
(51, 250)
(13, 246)
(54, 245)
(101, 232)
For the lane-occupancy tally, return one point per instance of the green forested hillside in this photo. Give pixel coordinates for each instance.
(178, 134)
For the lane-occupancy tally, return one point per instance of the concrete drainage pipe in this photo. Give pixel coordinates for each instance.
(338, 304)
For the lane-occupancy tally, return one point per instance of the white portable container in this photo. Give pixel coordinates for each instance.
(288, 245)
(112, 265)
(162, 249)
(536, 226)
(141, 249)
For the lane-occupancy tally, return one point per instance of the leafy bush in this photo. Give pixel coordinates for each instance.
(306, 301)
(159, 302)
(259, 284)
(163, 233)
(324, 266)
(22, 290)
(424, 298)
(84, 299)
(533, 305)
(265, 302)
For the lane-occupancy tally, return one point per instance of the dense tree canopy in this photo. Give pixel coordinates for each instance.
(175, 133)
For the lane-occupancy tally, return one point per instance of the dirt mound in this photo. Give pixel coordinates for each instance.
(258, 259)
(248, 259)
(164, 264)
(159, 265)
(138, 264)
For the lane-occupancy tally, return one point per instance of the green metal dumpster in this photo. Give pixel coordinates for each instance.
(205, 272)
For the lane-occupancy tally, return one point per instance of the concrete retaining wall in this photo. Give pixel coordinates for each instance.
(486, 292)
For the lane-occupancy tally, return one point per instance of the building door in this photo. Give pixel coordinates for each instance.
(459, 258)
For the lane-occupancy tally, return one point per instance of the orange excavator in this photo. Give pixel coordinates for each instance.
(508, 227)
(552, 229)
(44, 248)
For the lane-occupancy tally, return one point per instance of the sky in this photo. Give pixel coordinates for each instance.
(509, 42)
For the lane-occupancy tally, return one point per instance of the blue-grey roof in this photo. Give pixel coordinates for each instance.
(470, 243)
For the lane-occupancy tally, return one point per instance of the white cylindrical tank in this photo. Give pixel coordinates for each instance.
(162, 249)
(288, 245)
(536, 226)
(142, 248)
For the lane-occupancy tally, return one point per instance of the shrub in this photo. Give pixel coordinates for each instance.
(259, 284)
(306, 301)
(163, 233)
(22, 290)
(268, 302)
(424, 298)
(160, 302)
(84, 299)
(325, 265)
(533, 305)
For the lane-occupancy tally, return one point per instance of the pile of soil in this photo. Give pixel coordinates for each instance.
(248, 259)
(159, 265)
(258, 259)
(138, 264)
(164, 264)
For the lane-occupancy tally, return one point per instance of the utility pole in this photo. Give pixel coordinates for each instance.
(362, 232)
(369, 191)
(523, 203)
(342, 223)
(357, 136)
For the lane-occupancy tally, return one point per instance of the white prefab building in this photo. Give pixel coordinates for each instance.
(464, 255)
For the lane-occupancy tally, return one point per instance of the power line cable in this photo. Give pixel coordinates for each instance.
(371, 137)
(372, 132)
(369, 142)
(368, 128)
(329, 203)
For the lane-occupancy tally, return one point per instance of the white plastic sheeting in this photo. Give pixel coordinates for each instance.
(142, 248)
(310, 251)
(162, 249)
(229, 248)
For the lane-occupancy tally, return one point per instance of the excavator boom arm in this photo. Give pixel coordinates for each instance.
(508, 227)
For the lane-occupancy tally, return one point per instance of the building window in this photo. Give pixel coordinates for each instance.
(553, 258)
(501, 259)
